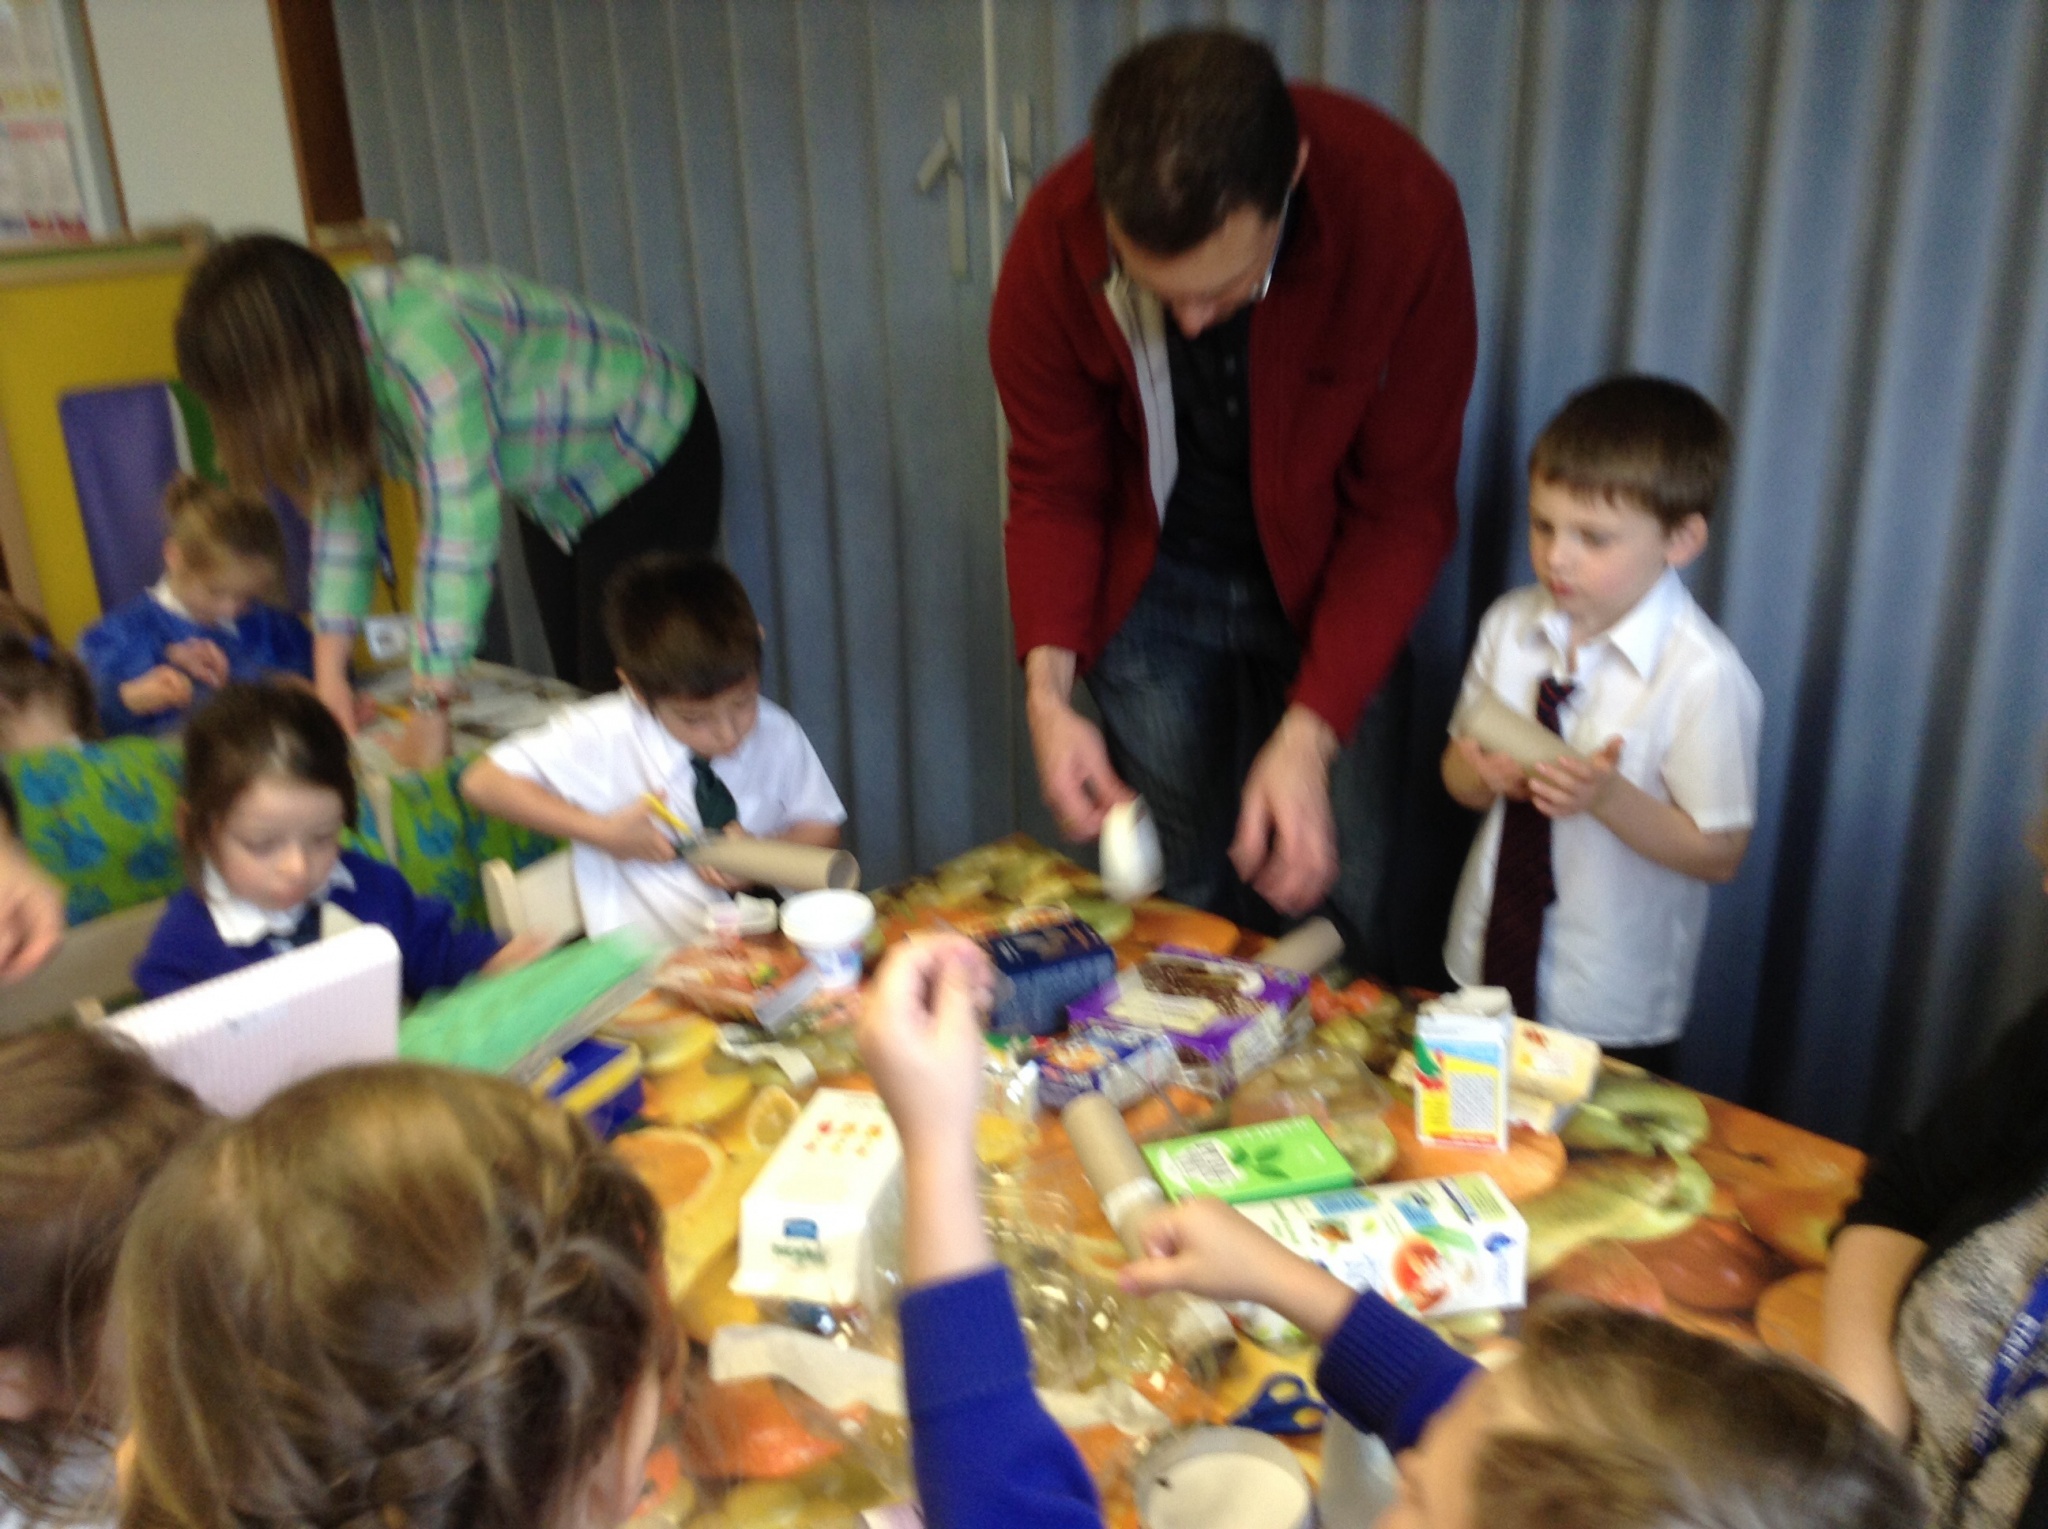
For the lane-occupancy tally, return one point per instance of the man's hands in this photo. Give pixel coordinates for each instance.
(1074, 773)
(201, 658)
(1286, 844)
(157, 690)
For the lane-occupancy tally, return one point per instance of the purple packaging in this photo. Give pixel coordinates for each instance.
(1122, 1066)
(1234, 1016)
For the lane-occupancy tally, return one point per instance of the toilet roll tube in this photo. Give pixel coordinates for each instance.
(1307, 947)
(777, 863)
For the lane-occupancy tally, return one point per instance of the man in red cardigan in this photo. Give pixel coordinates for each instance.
(1233, 337)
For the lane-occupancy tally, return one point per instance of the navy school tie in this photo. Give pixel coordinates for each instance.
(715, 806)
(1524, 886)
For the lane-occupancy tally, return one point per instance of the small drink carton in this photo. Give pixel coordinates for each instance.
(1255, 1162)
(813, 1225)
(1462, 1062)
(1433, 1247)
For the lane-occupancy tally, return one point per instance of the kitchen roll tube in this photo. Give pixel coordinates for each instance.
(778, 863)
(1307, 947)
(1198, 1331)
(1497, 727)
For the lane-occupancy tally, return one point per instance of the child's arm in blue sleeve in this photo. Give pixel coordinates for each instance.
(1388, 1373)
(436, 951)
(115, 650)
(985, 1452)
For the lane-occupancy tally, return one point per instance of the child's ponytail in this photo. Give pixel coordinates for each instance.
(35, 669)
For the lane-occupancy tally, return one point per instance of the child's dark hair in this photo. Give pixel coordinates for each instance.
(247, 732)
(209, 521)
(35, 667)
(1188, 127)
(1656, 443)
(266, 336)
(1643, 1426)
(392, 1295)
(681, 626)
(89, 1121)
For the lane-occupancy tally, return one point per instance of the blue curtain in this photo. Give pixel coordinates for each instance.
(1827, 215)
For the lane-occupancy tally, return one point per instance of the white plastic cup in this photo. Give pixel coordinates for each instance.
(830, 928)
(1133, 864)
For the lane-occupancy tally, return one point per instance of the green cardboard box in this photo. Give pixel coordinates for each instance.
(1256, 1162)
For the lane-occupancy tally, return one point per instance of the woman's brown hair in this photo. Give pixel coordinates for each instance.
(1645, 1426)
(88, 1122)
(393, 1295)
(266, 336)
(245, 733)
(210, 522)
(35, 667)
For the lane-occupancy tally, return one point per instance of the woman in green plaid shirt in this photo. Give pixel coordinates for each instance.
(480, 389)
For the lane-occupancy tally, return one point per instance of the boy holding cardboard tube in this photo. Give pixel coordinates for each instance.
(1608, 729)
(687, 747)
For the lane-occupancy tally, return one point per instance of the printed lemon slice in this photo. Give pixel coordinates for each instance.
(678, 1167)
(695, 1097)
(763, 1123)
(669, 1037)
(709, 1226)
(710, 1303)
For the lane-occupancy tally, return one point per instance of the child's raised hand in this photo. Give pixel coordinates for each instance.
(160, 689)
(633, 833)
(921, 1035)
(200, 658)
(1206, 1248)
(1502, 774)
(1566, 787)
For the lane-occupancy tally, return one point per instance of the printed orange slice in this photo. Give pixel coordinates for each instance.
(693, 1097)
(677, 1166)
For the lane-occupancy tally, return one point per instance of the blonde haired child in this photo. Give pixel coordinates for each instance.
(205, 622)
(1606, 1420)
(393, 1296)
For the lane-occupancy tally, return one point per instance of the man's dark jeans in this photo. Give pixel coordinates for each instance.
(1189, 690)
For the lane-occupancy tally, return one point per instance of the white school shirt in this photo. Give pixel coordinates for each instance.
(603, 753)
(1622, 941)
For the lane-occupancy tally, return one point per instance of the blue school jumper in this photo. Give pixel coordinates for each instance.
(127, 643)
(435, 950)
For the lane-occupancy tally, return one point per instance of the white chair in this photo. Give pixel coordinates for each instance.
(93, 966)
(540, 898)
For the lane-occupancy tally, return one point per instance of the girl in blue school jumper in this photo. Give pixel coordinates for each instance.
(268, 791)
(204, 622)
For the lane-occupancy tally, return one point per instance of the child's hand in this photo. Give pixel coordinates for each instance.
(1206, 1248)
(161, 689)
(520, 950)
(1566, 787)
(200, 658)
(920, 1035)
(1501, 774)
(724, 880)
(633, 833)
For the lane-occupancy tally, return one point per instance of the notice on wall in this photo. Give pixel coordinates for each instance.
(42, 190)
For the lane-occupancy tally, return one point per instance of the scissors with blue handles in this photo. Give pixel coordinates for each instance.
(1284, 1405)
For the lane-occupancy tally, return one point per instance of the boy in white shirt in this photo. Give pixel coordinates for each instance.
(689, 727)
(1585, 894)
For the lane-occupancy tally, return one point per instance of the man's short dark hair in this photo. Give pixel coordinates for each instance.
(681, 626)
(1649, 440)
(1189, 127)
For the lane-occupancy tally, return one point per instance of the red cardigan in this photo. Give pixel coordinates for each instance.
(1361, 360)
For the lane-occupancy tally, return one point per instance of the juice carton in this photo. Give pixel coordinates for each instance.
(1255, 1162)
(1433, 1247)
(813, 1226)
(1462, 1061)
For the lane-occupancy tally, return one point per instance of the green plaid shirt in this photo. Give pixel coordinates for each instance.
(490, 388)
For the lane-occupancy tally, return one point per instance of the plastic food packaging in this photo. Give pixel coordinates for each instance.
(1235, 1016)
(756, 981)
(830, 928)
(1046, 968)
(599, 1080)
(1124, 1067)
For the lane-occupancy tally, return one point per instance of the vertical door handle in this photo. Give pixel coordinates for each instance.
(944, 159)
(1014, 152)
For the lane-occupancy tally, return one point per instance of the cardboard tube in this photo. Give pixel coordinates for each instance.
(1198, 1331)
(778, 863)
(1497, 727)
(1307, 947)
